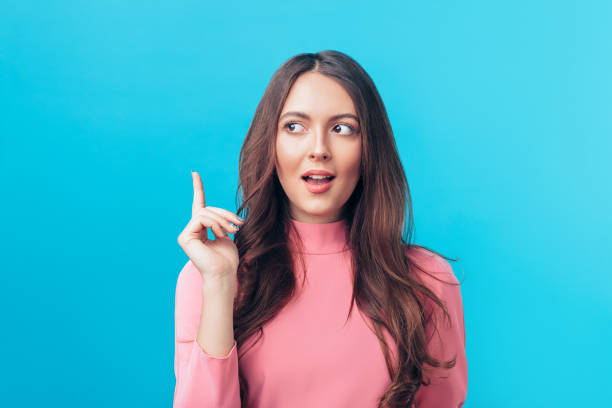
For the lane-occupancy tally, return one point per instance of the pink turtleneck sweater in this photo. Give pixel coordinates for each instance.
(308, 357)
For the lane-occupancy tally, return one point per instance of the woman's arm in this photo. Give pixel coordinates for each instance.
(204, 315)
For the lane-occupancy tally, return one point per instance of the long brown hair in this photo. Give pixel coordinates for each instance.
(386, 288)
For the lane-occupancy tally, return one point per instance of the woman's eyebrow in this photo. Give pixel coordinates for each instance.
(305, 116)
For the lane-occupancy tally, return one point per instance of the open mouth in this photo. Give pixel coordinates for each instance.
(318, 179)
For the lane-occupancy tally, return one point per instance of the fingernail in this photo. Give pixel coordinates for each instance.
(240, 218)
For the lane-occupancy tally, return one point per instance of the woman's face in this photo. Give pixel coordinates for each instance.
(318, 129)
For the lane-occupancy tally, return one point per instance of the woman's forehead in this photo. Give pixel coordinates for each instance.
(317, 96)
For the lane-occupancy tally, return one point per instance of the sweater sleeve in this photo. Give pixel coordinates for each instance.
(202, 380)
(445, 343)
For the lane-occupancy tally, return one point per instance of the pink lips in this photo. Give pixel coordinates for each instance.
(317, 172)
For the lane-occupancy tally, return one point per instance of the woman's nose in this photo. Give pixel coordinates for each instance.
(320, 148)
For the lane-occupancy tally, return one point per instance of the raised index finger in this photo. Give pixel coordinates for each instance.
(198, 193)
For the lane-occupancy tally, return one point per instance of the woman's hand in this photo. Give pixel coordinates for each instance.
(217, 260)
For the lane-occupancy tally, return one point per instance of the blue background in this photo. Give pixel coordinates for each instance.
(502, 115)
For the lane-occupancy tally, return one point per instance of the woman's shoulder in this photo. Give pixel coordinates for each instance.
(438, 271)
(440, 279)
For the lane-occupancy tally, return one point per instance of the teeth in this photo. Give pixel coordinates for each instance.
(317, 177)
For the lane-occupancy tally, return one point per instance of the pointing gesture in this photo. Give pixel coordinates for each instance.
(199, 200)
(215, 259)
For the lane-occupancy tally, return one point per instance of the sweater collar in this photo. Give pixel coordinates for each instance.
(325, 238)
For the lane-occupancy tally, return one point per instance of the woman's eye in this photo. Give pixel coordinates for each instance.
(291, 125)
(351, 129)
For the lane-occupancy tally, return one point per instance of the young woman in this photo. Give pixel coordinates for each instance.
(320, 299)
